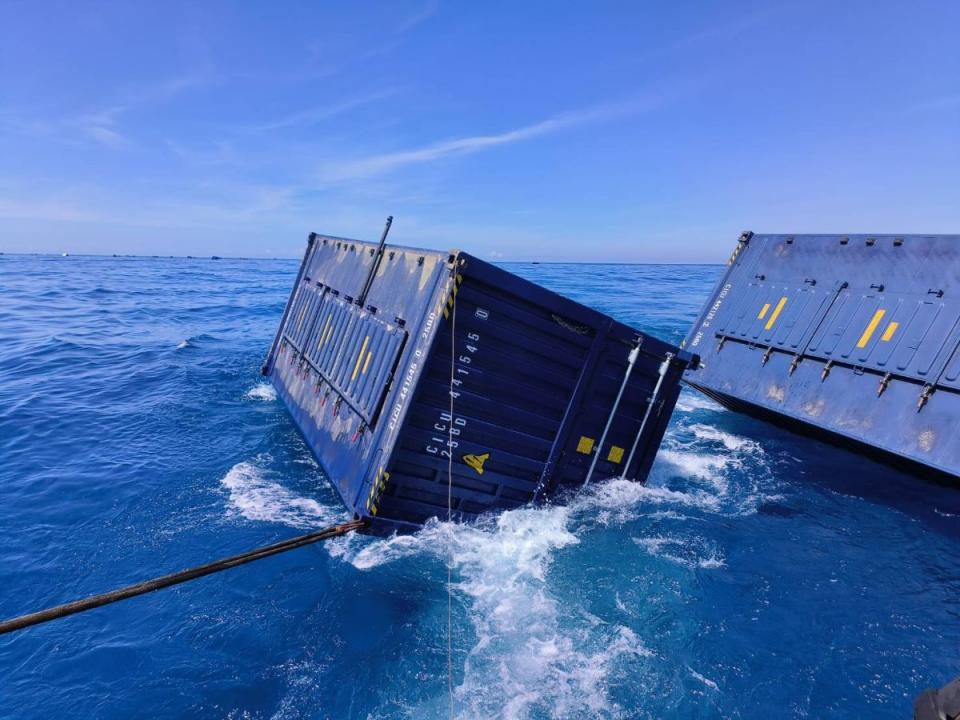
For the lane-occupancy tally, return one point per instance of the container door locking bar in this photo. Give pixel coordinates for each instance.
(664, 366)
(631, 361)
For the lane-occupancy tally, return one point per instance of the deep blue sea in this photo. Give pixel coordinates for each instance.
(756, 575)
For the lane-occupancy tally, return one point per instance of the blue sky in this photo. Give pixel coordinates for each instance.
(550, 130)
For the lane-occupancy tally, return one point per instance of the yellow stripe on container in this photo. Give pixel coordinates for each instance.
(363, 349)
(868, 333)
(776, 313)
(323, 334)
(763, 311)
(888, 333)
(366, 363)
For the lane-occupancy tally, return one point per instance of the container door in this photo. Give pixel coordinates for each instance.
(354, 353)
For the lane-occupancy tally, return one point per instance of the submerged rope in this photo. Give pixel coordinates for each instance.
(141, 588)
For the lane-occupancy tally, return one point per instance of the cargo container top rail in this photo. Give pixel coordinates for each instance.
(545, 391)
(855, 338)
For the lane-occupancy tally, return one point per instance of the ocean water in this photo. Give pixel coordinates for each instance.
(756, 575)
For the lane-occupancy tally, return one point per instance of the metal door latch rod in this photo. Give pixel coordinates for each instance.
(631, 362)
(664, 366)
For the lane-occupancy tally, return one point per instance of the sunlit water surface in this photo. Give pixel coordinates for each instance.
(757, 575)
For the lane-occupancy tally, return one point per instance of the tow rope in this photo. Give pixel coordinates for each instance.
(141, 588)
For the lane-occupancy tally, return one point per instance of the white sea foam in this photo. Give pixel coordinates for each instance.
(728, 440)
(183, 344)
(533, 654)
(703, 466)
(683, 551)
(617, 499)
(254, 496)
(262, 391)
(705, 680)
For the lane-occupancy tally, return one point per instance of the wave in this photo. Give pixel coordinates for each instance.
(254, 496)
(262, 391)
(730, 441)
(194, 341)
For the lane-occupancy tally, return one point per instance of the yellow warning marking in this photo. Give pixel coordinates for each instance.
(366, 363)
(459, 278)
(476, 461)
(450, 300)
(776, 313)
(585, 445)
(363, 349)
(323, 335)
(300, 321)
(373, 511)
(615, 455)
(868, 333)
(763, 311)
(446, 314)
(888, 333)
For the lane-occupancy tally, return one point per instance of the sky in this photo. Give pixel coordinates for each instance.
(551, 131)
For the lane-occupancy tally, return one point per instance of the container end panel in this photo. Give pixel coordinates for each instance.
(532, 386)
(336, 363)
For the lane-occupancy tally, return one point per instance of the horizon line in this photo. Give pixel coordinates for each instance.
(245, 257)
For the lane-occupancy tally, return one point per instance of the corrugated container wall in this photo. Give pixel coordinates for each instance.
(456, 372)
(855, 338)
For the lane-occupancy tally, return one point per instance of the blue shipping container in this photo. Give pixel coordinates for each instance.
(853, 338)
(414, 372)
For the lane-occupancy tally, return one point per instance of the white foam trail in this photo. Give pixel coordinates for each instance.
(262, 391)
(705, 680)
(183, 344)
(255, 497)
(533, 654)
(681, 551)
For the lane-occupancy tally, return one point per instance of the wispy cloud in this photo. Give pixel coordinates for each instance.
(102, 125)
(374, 165)
(419, 17)
(315, 115)
(935, 104)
